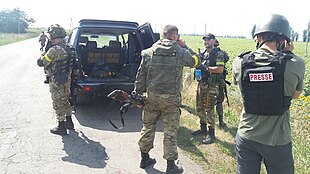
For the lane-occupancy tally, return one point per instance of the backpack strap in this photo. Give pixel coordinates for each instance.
(213, 52)
(244, 53)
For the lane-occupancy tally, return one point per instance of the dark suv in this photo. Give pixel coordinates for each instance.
(109, 54)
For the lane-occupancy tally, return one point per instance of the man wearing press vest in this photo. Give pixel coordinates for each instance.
(268, 78)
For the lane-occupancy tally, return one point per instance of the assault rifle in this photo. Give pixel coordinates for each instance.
(225, 90)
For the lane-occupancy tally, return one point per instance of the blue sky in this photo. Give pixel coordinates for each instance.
(221, 17)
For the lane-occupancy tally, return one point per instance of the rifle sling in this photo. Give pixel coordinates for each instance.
(122, 110)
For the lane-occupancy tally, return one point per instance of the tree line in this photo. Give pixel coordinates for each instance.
(14, 21)
(17, 21)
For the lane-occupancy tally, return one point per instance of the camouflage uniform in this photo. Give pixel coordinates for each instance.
(220, 98)
(60, 92)
(160, 76)
(208, 93)
(58, 62)
(42, 40)
(200, 109)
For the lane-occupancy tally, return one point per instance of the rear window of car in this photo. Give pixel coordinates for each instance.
(101, 39)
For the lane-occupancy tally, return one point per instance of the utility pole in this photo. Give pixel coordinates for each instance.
(307, 38)
(71, 23)
(205, 29)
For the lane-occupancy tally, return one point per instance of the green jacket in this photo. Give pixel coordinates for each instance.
(161, 68)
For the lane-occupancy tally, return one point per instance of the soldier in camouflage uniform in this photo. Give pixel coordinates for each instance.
(208, 89)
(42, 40)
(220, 98)
(160, 76)
(58, 61)
(200, 107)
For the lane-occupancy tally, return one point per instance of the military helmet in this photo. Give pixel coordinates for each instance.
(56, 31)
(275, 24)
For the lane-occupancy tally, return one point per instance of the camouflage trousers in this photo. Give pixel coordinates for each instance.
(220, 98)
(206, 98)
(168, 108)
(60, 96)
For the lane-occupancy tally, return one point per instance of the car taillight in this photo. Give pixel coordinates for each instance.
(87, 88)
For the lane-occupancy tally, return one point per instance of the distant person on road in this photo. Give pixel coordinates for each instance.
(268, 78)
(160, 76)
(42, 40)
(208, 87)
(58, 61)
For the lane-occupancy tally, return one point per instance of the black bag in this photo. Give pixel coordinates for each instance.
(62, 78)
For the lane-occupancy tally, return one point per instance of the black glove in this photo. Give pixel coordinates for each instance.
(40, 62)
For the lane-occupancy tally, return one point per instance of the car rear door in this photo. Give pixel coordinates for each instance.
(147, 36)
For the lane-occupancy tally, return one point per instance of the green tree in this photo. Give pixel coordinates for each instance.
(296, 36)
(14, 21)
(292, 34)
(306, 33)
(304, 36)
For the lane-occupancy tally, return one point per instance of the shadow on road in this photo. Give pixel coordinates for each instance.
(83, 151)
(97, 112)
(152, 170)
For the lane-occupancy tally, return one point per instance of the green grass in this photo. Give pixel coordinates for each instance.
(7, 38)
(220, 157)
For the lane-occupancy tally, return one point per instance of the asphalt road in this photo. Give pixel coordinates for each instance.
(26, 117)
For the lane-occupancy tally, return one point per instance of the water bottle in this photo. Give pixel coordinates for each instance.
(198, 74)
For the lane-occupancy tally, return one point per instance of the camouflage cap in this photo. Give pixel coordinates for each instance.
(208, 36)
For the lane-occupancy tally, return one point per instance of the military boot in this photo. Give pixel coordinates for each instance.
(47, 80)
(60, 129)
(210, 137)
(69, 124)
(202, 130)
(222, 124)
(172, 168)
(146, 160)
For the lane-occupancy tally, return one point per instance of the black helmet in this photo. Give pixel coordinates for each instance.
(275, 23)
(56, 31)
